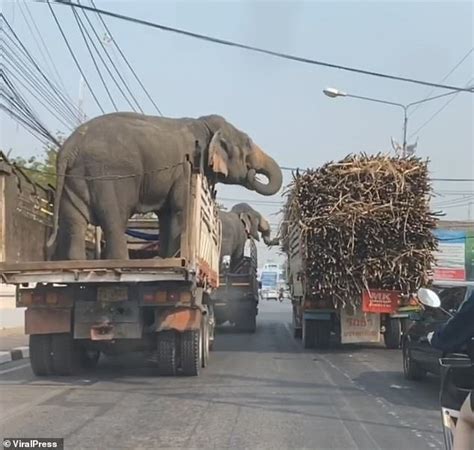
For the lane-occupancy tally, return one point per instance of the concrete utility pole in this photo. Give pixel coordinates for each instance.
(80, 102)
(404, 149)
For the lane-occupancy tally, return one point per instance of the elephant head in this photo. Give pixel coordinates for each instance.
(236, 159)
(253, 221)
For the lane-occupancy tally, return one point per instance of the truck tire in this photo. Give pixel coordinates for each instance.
(89, 358)
(308, 333)
(322, 333)
(246, 320)
(393, 333)
(205, 342)
(191, 352)
(65, 354)
(40, 354)
(166, 353)
(411, 369)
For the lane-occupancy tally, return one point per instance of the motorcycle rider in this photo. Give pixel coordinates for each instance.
(452, 337)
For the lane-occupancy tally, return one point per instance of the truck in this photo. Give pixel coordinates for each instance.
(236, 298)
(270, 280)
(315, 319)
(76, 310)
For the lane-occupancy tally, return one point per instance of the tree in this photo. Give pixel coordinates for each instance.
(41, 169)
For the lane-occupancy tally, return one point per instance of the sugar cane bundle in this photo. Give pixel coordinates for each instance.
(364, 222)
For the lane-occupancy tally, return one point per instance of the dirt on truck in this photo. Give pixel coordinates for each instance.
(358, 235)
(76, 310)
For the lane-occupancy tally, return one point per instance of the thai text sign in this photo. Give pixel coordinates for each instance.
(358, 326)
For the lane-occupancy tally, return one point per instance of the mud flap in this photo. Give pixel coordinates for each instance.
(45, 321)
(181, 319)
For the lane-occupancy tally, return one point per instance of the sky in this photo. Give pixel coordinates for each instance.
(280, 103)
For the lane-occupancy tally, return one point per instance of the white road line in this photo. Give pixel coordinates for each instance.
(13, 369)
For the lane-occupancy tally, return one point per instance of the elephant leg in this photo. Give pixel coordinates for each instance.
(113, 221)
(71, 241)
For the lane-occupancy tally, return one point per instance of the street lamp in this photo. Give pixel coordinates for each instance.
(333, 93)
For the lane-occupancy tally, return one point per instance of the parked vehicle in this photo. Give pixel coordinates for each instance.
(76, 310)
(419, 357)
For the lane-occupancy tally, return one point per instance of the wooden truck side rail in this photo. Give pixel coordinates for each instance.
(197, 257)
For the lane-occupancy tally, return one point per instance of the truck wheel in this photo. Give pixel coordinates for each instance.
(166, 353)
(308, 333)
(205, 342)
(40, 354)
(322, 333)
(191, 352)
(393, 333)
(89, 358)
(411, 369)
(65, 354)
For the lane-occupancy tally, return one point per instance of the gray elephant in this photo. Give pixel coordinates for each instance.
(120, 164)
(237, 224)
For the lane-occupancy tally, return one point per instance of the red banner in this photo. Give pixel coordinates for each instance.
(380, 301)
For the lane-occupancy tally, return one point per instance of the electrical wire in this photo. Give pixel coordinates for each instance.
(122, 54)
(115, 68)
(444, 78)
(433, 116)
(258, 49)
(23, 70)
(75, 59)
(80, 25)
(20, 46)
(43, 48)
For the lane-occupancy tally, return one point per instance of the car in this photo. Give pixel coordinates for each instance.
(419, 357)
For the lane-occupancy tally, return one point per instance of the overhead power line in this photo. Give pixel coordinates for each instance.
(260, 50)
(468, 180)
(75, 59)
(122, 54)
(84, 32)
(445, 78)
(438, 111)
(118, 72)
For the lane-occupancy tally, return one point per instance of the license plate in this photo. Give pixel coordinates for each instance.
(112, 294)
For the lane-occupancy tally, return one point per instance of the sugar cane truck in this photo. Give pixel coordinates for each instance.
(75, 310)
(358, 236)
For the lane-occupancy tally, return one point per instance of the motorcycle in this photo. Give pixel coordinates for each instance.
(457, 376)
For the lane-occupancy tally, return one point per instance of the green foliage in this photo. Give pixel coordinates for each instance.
(42, 168)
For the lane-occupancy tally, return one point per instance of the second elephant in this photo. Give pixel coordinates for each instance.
(238, 224)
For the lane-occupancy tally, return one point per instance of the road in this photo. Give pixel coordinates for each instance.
(260, 391)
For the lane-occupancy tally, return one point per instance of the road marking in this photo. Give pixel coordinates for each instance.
(13, 369)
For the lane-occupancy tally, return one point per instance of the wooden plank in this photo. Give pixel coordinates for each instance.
(105, 264)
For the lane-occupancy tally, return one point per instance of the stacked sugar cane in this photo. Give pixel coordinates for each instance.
(364, 222)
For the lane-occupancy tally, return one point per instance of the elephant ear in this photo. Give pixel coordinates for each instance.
(245, 219)
(217, 159)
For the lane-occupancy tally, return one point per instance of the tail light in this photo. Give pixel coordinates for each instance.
(33, 297)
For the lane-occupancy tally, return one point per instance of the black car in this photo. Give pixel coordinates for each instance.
(419, 357)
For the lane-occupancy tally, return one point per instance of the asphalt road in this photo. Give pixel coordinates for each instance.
(260, 391)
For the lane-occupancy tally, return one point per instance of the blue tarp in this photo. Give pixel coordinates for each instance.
(141, 235)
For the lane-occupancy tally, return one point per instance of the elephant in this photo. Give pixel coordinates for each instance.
(237, 224)
(120, 164)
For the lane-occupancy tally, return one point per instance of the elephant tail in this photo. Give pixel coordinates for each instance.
(61, 168)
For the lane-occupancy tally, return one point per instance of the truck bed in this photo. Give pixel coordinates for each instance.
(97, 271)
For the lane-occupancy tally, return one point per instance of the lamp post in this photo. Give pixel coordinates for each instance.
(333, 93)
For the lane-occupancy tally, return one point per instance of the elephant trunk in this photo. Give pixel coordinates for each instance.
(265, 230)
(263, 164)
